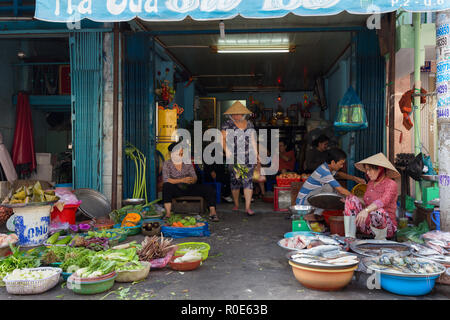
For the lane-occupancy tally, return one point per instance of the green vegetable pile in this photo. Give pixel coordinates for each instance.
(101, 234)
(54, 239)
(186, 221)
(414, 233)
(17, 260)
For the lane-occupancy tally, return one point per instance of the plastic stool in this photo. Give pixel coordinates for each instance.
(218, 186)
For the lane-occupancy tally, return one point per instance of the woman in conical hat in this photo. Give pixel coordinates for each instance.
(378, 218)
(241, 173)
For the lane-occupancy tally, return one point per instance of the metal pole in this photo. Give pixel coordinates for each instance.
(391, 86)
(115, 117)
(443, 113)
(418, 85)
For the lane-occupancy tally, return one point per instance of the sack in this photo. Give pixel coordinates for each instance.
(177, 232)
(351, 114)
(415, 167)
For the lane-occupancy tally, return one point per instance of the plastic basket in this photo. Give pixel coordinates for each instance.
(33, 286)
(184, 247)
(131, 231)
(286, 182)
(177, 232)
(68, 213)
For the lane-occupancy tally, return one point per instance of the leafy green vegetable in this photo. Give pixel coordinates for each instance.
(17, 260)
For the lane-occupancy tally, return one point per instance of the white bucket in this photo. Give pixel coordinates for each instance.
(31, 224)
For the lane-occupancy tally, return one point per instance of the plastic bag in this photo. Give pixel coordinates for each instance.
(177, 232)
(351, 114)
(162, 262)
(429, 166)
(415, 167)
(414, 233)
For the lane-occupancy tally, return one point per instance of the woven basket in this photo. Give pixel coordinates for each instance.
(32, 286)
(5, 214)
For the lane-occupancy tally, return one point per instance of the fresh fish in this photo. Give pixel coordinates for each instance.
(327, 240)
(384, 260)
(319, 250)
(423, 250)
(397, 261)
(331, 254)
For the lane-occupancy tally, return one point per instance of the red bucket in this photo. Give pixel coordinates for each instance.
(331, 213)
(67, 214)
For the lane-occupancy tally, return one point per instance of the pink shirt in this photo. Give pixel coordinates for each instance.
(384, 195)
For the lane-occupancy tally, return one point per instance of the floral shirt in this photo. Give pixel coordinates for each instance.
(241, 139)
(384, 195)
(170, 172)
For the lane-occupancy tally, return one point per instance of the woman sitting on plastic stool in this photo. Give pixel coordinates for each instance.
(179, 180)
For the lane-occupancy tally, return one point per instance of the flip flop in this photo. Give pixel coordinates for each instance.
(250, 213)
(214, 218)
(236, 209)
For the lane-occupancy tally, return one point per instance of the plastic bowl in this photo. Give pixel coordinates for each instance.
(299, 233)
(90, 287)
(55, 264)
(184, 266)
(323, 279)
(65, 275)
(134, 275)
(407, 286)
(131, 231)
(184, 247)
(154, 232)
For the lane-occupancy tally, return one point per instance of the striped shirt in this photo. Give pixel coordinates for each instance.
(321, 176)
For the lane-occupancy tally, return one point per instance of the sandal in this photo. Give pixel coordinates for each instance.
(236, 209)
(214, 218)
(250, 213)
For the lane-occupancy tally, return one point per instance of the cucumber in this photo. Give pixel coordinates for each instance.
(53, 238)
(65, 240)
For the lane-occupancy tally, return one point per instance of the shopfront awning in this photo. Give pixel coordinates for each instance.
(177, 10)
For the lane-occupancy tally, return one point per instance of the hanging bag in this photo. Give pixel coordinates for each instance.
(351, 114)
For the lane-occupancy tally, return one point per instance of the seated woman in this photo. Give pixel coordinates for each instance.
(318, 154)
(179, 180)
(378, 217)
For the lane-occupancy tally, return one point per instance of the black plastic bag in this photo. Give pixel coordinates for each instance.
(415, 167)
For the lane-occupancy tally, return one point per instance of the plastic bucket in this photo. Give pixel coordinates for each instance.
(68, 213)
(337, 226)
(331, 213)
(31, 225)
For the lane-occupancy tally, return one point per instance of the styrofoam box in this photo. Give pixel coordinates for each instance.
(43, 172)
(5, 187)
(43, 158)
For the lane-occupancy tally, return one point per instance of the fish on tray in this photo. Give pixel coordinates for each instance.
(396, 263)
(324, 250)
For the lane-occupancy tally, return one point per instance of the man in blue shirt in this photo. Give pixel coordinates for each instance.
(322, 179)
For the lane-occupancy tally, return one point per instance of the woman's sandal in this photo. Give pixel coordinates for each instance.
(236, 209)
(250, 213)
(214, 218)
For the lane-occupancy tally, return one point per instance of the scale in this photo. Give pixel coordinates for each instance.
(298, 221)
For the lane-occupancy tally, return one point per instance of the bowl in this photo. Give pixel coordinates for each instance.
(184, 266)
(134, 275)
(131, 231)
(153, 232)
(184, 247)
(323, 279)
(407, 286)
(65, 275)
(90, 287)
(299, 233)
(55, 264)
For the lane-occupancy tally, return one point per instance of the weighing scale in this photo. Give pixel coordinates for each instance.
(298, 221)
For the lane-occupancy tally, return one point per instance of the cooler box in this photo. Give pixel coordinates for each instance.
(282, 199)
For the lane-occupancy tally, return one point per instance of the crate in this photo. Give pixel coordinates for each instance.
(286, 182)
(188, 204)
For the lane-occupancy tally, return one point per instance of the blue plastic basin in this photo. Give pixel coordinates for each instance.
(299, 233)
(407, 286)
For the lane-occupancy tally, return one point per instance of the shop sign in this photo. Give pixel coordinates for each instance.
(177, 10)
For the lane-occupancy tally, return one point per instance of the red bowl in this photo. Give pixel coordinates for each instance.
(184, 266)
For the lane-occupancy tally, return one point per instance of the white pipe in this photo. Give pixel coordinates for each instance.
(443, 113)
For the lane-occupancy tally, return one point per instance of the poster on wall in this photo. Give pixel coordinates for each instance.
(206, 112)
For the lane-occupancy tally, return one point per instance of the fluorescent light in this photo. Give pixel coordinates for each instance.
(254, 49)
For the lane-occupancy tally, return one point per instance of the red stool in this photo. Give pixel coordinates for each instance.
(276, 206)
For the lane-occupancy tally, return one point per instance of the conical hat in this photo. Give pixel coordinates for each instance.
(237, 108)
(379, 160)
